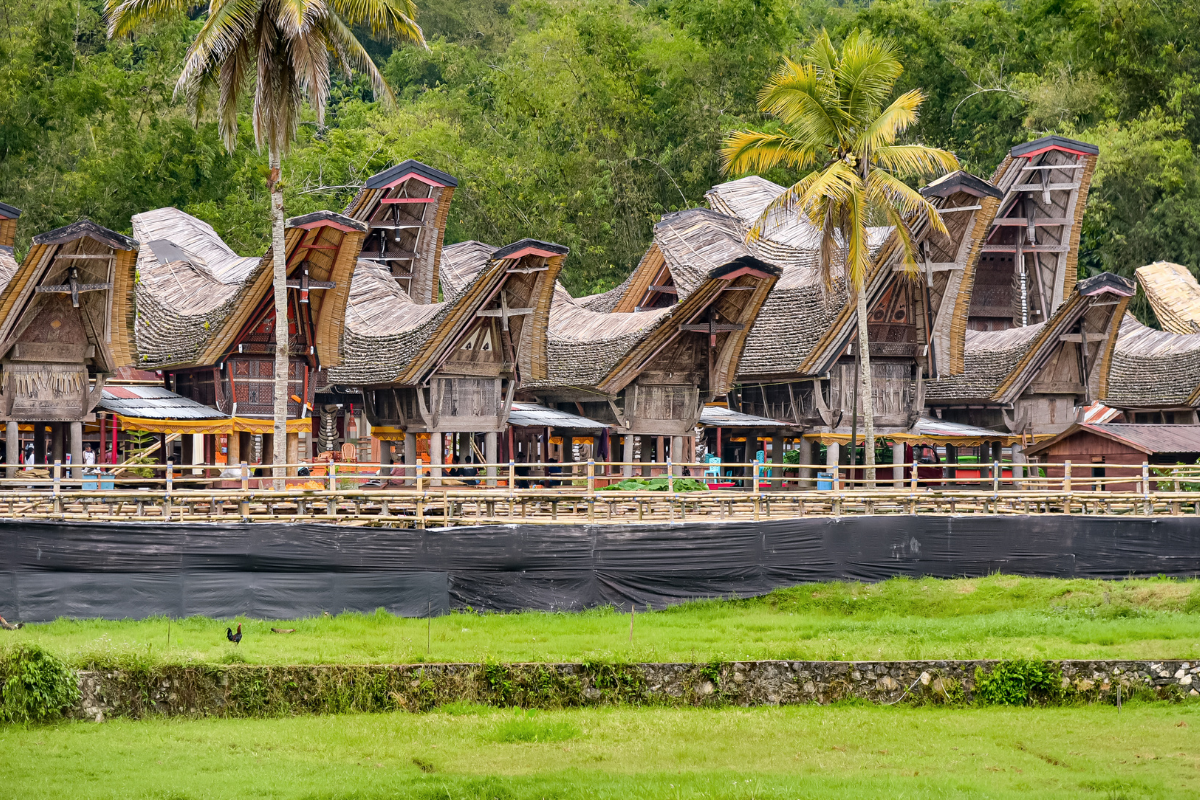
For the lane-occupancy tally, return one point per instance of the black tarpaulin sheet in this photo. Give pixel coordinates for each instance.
(270, 571)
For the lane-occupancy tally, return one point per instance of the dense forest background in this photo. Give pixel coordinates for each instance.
(583, 121)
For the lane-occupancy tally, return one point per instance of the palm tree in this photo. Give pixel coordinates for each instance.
(281, 49)
(834, 126)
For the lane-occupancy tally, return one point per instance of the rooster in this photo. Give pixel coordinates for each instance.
(234, 637)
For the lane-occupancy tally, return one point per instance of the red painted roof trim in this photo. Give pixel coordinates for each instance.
(1056, 147)
(745, 271)
(325, 223)
(529, 251)
(421, 178)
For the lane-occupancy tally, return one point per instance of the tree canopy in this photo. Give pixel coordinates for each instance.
(583, 121)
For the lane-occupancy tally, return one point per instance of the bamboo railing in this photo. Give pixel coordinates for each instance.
(427, 495)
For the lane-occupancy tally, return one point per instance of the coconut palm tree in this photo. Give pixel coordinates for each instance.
(833, 125)
(280, 50)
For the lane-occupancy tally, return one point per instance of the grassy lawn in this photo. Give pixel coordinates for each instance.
(1148, 751)
(995, 617)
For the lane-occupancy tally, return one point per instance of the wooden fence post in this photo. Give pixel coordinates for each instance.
(995, 476)
(913, 478)
(591, 478)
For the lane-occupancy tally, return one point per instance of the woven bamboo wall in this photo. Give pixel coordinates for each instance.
(962, 303)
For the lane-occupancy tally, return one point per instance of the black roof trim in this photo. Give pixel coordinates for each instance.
(1106, 282)
(328, 216)
(382, 179)
(745, 261)
(1054, 141)
(85, 227)
(960, 181)
(521, 244)
(10, 212)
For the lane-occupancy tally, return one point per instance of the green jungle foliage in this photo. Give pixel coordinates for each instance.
(37, 685)
(583, 121)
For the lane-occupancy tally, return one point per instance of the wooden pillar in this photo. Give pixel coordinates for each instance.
(435, 458)
(385, 457)
(162, 449)
(645, 456)
(199, 450)
(898, 464)
(268, 448)
(951, 459)
(292, 449)
(77, 450)
(188, 447)
(677, 455)
(490, 455)
(58, 451)
(39, 443)
(627, 457)
(12, 443)
(233, 449)
(245, 447)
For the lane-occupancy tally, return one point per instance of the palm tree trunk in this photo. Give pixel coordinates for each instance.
(866, 392)
(279, 266)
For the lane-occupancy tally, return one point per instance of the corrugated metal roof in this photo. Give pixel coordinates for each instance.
(927, 426)
(718, 417)
(534, 415)
(154, 402)
(1098, 412)
(1154, 438)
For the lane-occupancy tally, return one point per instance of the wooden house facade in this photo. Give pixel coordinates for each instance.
(1099, 453)
(65, 325)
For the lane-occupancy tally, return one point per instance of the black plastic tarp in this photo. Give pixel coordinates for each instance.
(118, 570)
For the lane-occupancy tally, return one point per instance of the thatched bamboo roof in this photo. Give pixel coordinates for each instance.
(1173, 294)
(93, 255)
(460, 264)
(1153, 369)
(196, 294)
(8, 232)
(188, 282)
(391, 339)
(605, 351)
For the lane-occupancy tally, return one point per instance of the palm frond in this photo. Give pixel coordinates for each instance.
(822, 54)
(392, 19)
(228, 23)
(891, 122)
(295, 17)
(755, 151)
(795, 94)
(858, 249)
(234, 73)
(865, 74)
(887, 191)
(126, 16)
(904, 233)
(782, 209)
(912, 160)
(310, 61)
(353, 56)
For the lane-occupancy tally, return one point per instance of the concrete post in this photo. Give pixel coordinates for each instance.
(806, 457)
(677, 456)
(647, 455)
(777, 462)
(898, 464)
(832, 453)
(435, 458)
(385, 457)
(197, 451)
(12, 443)
(77, 450)
(1018, 460)
(490, 441)
(410, 458)
(627, 457)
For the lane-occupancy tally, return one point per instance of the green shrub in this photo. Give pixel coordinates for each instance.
(38, 685)
(1019, 683)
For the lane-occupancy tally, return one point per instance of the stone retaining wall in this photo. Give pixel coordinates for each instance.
(249, 691)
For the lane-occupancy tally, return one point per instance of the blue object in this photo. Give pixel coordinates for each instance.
(105, 483)
(824, 481)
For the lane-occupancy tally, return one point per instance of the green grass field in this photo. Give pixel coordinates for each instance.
(1148, 751)
(995, 617)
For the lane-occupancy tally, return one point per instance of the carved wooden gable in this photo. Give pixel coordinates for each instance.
(65, 315)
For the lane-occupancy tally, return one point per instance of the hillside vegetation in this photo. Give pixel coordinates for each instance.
(583, 121)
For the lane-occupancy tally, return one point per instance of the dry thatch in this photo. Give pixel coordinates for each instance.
(460, 264)
(1173, 294)
(1153, 369)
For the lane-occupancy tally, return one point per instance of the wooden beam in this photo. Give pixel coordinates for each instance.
(1052, 167)
(716, 327)
(500, 312)
(1022, 222)
(406, 200)
(1033, 248)
(932, 266)
(958, 208)
(664, 289)
(1048, 187)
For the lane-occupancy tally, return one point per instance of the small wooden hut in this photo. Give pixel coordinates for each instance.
(1115, 451)
(66, 323)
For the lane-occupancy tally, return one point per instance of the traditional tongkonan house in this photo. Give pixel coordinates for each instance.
(206, 319)
(66, 321)
(672, 341)
(450, 367)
